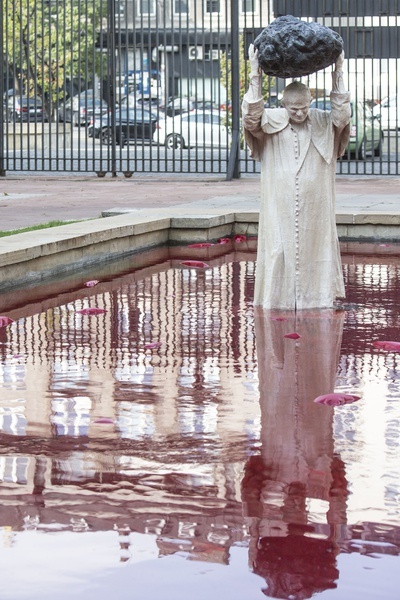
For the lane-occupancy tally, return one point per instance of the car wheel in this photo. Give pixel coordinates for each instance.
(174, 141)
(362, 150)
(105, 136)
(378, 149)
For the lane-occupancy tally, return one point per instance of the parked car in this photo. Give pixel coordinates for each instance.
(366, 135)
(133, 123)
(19, 108)
(388, 112)
(152, 103)
(196, 128)
(80, 109)
(179, 106)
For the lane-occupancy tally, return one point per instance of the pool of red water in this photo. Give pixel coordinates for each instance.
(167, 444)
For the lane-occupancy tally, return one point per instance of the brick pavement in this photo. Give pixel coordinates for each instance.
(32, 200)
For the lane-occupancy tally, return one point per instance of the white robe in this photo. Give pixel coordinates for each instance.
(298, 256)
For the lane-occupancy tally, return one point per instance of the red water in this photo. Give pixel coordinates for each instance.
(168, 445)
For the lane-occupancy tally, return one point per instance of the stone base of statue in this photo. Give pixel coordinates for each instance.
(289, 47)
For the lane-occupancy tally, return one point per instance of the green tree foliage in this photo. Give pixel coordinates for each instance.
(48, 43)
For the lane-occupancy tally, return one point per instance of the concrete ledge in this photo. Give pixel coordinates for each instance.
(39, 255)
(201, 221)
(365, 218)
(87, 234)
(365, 232)
(247, 217)
(368, 218)
(200, 228)
(40, 268)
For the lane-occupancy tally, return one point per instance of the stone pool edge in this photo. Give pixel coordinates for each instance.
(37, 255)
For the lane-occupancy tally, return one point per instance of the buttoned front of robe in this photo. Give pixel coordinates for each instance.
(298, 255)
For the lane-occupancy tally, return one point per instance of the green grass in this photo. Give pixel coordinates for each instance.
(36, 227)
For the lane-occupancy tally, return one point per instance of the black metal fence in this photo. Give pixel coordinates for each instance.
(129, 86)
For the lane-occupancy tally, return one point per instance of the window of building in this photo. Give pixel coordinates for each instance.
(146, 7)
(213, 6)
(181, 7)
(119, 10)
(248, 6)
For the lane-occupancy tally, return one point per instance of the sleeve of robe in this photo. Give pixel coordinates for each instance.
(252, 114)
(258, 121)
(340, 111)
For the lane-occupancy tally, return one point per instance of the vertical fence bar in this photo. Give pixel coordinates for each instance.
(233, 171)
(111, 81)
(158, 35)
(2, 115)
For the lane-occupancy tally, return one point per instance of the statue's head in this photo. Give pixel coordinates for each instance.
(297, 99)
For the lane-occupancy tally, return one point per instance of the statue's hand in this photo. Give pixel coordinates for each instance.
(339, 62)
(253, 59)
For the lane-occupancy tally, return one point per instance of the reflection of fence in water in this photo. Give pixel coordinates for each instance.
(205, 321)
(198, 311)
(199, 318)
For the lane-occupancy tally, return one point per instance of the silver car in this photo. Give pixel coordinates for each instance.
(80, 109)
(388, 112)
(195, 128)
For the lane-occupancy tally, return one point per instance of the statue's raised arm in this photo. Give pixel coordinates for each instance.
(253, 60)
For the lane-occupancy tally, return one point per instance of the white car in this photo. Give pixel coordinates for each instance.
(195, 128)
(388, 112)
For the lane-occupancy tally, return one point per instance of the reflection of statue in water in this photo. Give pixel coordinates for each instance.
(298, 257)
(295, 556)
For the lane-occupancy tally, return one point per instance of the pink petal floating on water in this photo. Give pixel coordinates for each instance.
(292, 336)
(104, 420)
(385, 345)
(239, 238)
(195, 264)
(201, 245)
(152, 345)
(91, 283)
(224, 241)
(4, 321)
(336, 399)
(91, 311)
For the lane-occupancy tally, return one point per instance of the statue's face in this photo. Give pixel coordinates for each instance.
(297, 106)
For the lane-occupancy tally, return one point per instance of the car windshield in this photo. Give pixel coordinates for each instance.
(196, 117)
(32, 101)
(90, 102)
(125, 114)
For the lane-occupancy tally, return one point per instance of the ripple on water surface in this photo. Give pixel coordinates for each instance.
(169, 439)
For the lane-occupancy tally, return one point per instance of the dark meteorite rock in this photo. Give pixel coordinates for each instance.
(289, 47)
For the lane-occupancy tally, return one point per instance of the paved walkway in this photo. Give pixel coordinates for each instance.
(32, 200)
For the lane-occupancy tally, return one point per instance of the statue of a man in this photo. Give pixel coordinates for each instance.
(298, 256)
